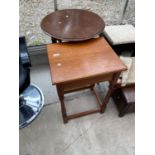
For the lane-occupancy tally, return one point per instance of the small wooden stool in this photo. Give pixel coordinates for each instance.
(124, 96)
(121, 38)
(124, 99)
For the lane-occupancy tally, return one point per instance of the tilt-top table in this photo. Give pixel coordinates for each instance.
(72, 25)
(80, 65)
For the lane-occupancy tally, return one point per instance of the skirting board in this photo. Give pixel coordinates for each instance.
(38, 55)
(36, 50)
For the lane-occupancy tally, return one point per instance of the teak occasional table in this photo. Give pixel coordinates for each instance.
(72, 25)
(76, 66)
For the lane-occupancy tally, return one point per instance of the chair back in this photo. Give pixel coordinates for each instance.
(23, 52)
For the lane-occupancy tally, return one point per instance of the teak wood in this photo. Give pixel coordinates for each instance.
(72, 25)
(80, 65)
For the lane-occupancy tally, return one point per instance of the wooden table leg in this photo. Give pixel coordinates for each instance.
(101, 34)
(60, 91)
(59, 41)
(111, 88)
(53, 40)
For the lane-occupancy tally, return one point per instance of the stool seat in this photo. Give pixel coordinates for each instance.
(120, 34)
(131, 76)
(128, 76)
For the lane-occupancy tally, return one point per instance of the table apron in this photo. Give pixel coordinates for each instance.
(80, 83)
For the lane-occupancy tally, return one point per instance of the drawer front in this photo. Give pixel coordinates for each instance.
(86, 82)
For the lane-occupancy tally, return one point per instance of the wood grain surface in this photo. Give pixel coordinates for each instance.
(72, 25)
(80, 60)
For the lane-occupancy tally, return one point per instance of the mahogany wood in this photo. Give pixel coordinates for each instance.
(109, 93)
(82, 60)
(72, 25)
(76, 66)
(83, 113)
(97, 97)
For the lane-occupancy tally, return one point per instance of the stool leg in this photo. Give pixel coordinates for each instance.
(61, 98)
(121, 114)
(133, 54)
(123, 111)
(54, 40)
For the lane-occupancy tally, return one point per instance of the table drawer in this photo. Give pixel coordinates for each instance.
(76, 84)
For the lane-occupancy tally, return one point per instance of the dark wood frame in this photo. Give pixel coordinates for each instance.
(54, 40)
(120, 101)
(49, 27)
(87, 83)
(83, 77)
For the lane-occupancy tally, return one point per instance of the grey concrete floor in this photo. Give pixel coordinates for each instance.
(97, 134)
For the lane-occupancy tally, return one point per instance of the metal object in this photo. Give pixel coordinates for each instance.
(124, 10)
(31, 102)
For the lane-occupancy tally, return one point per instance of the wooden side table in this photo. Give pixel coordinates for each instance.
(72, 25)
(76, 66)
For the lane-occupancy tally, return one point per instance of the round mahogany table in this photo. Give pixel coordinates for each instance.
(72, 25)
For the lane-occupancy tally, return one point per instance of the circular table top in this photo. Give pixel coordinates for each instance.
(72, 25)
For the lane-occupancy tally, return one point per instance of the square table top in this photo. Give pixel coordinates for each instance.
(78, 60)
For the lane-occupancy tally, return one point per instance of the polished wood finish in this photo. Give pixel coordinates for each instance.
(72, 61)
(113, 82)
(72, 25)
(124, 98)
(83, 113)
(76, 66)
